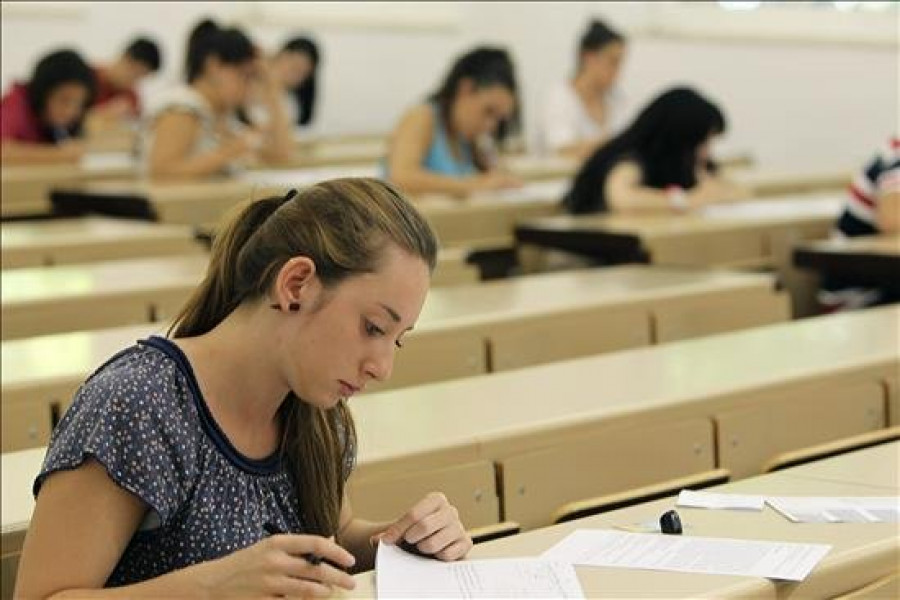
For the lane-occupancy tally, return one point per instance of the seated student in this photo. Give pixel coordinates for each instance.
(661, 163)
(580, 114)
(872, 207)
(41, 120)
(117, 100)
(193, 130)
(184, 452)
(295, 67)
(436, 147)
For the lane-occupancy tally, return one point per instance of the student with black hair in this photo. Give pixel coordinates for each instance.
(193, 130)
(295, 67)
(660, 163)
(444, 144)
(40, 119)
(581, 113)
(117, 100)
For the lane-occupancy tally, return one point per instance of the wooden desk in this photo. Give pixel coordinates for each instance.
(480, 222)
(643, 394)
(878, 466)
(780, 182)
(63, 298)
(427, 438)
(865, 260)
(25, 190)
(67, 241)
(754, 234)
(861, 553)
(463, 331)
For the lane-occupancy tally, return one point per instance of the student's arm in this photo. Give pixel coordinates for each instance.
(581, 150)
(626, 193)
(432, 524)
(888, 215)
(173, 137)
(278, 131)
(408, 146)
(72, 547)
(14, 152)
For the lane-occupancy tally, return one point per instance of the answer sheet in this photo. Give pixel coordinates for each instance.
(878, 509)
(687, 554)
(399, 574)
(694, 499)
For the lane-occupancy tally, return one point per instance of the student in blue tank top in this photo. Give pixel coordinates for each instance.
(438, 146)
(212, 463)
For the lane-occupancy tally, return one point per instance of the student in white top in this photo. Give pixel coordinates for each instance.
(581, 113)
(193, 131)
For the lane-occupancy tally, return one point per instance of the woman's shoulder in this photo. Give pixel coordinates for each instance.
(182, 98)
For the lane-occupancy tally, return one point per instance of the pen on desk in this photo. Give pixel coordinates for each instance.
(272, 529)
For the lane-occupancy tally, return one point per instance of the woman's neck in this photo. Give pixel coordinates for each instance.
(208, 92)
(238, 379)
(587, 88)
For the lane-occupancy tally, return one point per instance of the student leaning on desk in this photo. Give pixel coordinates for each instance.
(438, 146)
(193, 130)
(188, 456)
(660, 163)
(41, 120)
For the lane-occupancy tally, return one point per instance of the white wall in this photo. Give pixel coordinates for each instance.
(803, 105)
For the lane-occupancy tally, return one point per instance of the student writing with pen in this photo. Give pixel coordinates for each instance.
(179, 453)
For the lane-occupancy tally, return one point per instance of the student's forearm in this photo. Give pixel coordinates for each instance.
(644, 200)
(279, 134)
(201, 165)
(27, 153)
(191, 582)
(355, 538)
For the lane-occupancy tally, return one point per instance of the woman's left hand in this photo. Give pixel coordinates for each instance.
(433, 526)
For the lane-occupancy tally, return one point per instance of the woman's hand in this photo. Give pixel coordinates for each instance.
(433, 526)
(494, 180)
(276, 567)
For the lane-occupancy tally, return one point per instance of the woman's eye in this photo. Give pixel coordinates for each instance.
(372, 329)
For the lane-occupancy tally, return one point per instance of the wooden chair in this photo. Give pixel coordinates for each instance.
(601, 504)
(795, 458)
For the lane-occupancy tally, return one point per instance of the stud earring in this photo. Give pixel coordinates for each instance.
(294, 306)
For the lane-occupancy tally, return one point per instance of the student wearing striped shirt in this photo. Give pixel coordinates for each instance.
(872, 207)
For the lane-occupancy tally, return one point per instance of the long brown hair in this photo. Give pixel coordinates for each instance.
(344, 226)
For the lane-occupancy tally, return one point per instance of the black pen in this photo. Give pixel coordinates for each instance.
(272, 529)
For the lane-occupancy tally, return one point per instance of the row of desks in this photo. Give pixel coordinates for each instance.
(862, 554)
(514, 440)
(463, 330)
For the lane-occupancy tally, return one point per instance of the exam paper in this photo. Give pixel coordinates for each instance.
(694, 499)
(550, 190)
(799, 509)
(101, 161)
(399, 574)
(686, 554)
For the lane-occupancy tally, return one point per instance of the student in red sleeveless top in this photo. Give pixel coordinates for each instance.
(41, 120)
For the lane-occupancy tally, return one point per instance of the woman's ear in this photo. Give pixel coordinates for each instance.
(295, 281)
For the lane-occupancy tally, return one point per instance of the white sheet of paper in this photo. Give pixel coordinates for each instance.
(102, 161)
(694, 499)
(399, 574)
(800, 509)
(687, 554)
(829, 205)
(305, 177)
(550, 190)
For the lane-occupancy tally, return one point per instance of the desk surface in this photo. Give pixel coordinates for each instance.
(59, 283)
(32, 243)
(688, 378)
(873, 545)
(465, 305)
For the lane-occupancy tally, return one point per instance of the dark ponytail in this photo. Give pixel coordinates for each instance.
(230, 45)
(344, 226)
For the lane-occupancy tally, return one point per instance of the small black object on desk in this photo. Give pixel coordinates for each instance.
(670, 523)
